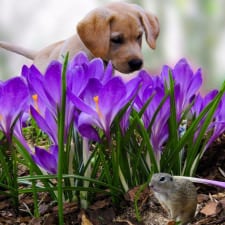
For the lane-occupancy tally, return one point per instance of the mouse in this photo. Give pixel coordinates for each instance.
(176, 195)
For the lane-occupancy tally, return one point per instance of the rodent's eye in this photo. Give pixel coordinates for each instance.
(162, 179)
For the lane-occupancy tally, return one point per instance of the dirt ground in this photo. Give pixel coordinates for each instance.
(210, 210)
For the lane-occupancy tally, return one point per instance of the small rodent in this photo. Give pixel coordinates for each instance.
(176, 195)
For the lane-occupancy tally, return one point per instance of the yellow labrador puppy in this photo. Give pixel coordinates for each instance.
(112, 32)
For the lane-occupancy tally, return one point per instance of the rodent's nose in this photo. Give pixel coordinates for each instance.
(135, 64)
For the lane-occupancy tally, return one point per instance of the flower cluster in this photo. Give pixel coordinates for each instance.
(94, 97)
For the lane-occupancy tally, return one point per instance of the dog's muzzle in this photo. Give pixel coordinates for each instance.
(135, 64)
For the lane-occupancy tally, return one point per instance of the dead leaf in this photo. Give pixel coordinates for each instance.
(171, 223)
(85, 220)
(222, 202)
(35, 221)
(219, 195)
(50, 219)
(100, 204)
(101, 216)
(131, 194)
(68, 207)
(202, 198)
(220, 206)
(123, 221)
(4, 204)
(43, 208)
(210, 209)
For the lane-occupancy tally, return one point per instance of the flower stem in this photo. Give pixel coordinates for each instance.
(34, 192)
(87, 174)
(61, 125)
(14, 177)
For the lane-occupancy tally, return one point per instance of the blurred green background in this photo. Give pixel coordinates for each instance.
(194, 29)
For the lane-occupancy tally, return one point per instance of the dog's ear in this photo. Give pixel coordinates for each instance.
(94, 31)
(151, 26)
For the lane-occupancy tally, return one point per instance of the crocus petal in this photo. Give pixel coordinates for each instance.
(203, 181)
(86, 124)
(47, 124)
(108, 73)
(52, 82)
(14, 97)
(17, 132)
(76, 80)
(96, 68)
(195, 84)
(132, 87)
(92, 89)
(110, 99)
(80, 104)
(218, 129)
(86, 130)
(47, 159)
(182, 73)
(35, 81)
(78, 60)
(77, 73)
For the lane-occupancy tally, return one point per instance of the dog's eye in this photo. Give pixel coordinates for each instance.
(117, 40)
(139, 37)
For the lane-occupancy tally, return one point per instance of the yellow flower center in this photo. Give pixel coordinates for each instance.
(35, 99)
(96, 100)
(1, 117)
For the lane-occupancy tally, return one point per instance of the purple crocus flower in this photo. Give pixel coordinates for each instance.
(47, 159)
(159, 133)
(46, 98)
(100, 103)
(201, 102)
(46, 88)
(187, 84)
(217, 126)
(218, 123)
(159, 130)
(14, 97)
(80, 70)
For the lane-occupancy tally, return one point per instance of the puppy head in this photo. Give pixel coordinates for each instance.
(114, 32)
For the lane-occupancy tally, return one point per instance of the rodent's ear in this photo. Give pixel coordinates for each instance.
(94, 31)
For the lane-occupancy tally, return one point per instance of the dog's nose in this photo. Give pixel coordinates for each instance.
(135, 64)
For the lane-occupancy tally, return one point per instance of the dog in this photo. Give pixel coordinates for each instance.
(112, 32)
